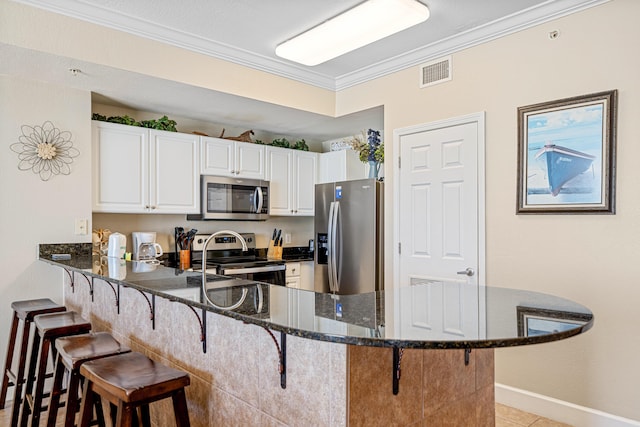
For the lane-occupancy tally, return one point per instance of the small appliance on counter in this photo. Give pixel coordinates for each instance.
(144, 246)
(117, 245)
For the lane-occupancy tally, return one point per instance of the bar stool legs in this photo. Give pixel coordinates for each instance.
(132, 381)
(73, 351)
(48, 328)
(25, 311)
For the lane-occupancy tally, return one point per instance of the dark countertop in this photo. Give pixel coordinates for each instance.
(461, 316)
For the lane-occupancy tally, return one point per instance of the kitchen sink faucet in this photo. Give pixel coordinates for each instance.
(204, 268)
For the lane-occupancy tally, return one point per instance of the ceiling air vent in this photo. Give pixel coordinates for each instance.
(435, 72)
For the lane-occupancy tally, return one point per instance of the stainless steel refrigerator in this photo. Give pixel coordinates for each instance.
(349, 235)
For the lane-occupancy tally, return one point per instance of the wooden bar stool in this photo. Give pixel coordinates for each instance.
(48, 328)
(131, 381)
(72, 353)
(23, 311)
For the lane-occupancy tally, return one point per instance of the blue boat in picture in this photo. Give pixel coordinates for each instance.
(563, 164)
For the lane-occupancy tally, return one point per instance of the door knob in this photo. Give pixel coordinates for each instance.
(468, 272)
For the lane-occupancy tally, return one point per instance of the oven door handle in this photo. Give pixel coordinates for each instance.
(248, 270)
(259, 199)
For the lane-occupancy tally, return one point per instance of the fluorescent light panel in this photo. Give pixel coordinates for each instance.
(366, 23)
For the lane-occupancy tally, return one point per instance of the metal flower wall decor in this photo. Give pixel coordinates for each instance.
(46, 150)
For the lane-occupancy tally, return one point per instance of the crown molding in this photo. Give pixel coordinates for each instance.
(547, 11)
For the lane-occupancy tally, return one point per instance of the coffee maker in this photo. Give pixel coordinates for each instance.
(145, 246)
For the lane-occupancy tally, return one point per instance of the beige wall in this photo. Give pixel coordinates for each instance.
(67, 37)
(34, 211)
(586, 258)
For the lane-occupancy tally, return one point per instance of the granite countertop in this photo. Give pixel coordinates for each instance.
(483, 316)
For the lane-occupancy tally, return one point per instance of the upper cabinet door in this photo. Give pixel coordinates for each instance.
(120, 168)
(174, 166)
(305, 172)
(250, 160)
(279, 173)
(218, 156)
(225, 157)
(292, 177)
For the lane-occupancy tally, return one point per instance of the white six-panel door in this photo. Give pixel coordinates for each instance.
(439, 233)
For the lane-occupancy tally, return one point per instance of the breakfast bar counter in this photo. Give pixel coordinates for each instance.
(262, 354)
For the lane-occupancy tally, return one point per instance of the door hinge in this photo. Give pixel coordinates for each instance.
(399, 248)
(399, 162)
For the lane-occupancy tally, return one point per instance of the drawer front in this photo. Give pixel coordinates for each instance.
(293, 269)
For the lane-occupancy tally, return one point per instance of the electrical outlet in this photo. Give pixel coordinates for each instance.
(287, 237)
(81, 226)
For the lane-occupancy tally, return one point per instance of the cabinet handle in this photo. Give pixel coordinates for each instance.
(147, 207)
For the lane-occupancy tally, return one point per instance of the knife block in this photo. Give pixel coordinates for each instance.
(271, 249)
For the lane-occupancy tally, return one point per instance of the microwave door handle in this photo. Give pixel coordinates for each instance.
(330, 246)
(259, 199)
(337, 244)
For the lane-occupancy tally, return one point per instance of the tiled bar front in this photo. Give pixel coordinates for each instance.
(237, 382)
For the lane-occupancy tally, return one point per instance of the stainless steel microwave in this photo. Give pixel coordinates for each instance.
(233, 199)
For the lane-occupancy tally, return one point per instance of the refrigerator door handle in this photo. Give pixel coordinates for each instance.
(337, 242)
(330, 246)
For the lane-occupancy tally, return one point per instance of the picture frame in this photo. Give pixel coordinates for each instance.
(566, 155)
(534, 321)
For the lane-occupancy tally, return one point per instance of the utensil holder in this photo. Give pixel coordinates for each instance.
(184, 261)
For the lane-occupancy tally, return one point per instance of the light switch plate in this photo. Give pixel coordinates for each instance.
(81, 226)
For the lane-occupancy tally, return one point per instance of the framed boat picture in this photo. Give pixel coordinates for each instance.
(534, 321)
(566, 155)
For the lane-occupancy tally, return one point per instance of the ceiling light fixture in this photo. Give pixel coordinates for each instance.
(368, 22)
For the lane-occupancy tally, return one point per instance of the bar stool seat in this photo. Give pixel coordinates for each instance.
(131, 381)
(24, 311)
(73, 351)
(49, 327)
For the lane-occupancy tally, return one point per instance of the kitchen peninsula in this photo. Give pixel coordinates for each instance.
(292, 357)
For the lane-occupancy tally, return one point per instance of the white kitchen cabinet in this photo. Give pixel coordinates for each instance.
(292, 275)
(343, 165)
(299, 275)
(306, 275)
(292, 177)
(138, 170)
(225, 157)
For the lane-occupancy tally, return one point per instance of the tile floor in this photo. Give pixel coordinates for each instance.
(511, 417)
(505, 417)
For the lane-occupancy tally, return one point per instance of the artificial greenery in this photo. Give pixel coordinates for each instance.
(281, 142)
(163, 123)
(301, 145)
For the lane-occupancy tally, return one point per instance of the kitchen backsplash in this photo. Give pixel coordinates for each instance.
(300, 228)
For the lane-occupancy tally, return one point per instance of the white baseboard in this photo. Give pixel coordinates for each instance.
(559, 410)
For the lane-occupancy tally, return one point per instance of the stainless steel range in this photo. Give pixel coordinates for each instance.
(226, 257)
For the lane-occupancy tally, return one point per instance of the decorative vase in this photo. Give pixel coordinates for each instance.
(374, 169)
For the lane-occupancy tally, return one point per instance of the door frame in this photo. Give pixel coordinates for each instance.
(479, 120)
